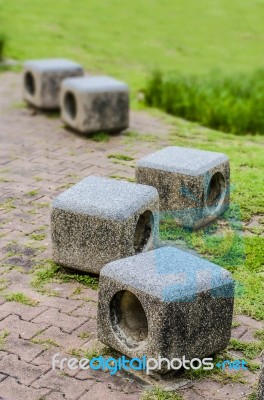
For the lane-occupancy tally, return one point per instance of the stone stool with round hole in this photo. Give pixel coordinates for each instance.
(99, 220)
(166, 303)
(95, 103)
(42, 80)
(193, 184)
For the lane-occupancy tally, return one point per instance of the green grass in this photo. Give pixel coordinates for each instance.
(128, 39)
(84, 335)
(47, 343)
(3, 334)
(51, 272)
(21, 298)
(224, 376)
(38, 236)
(250, 349)
(87, 353)
(252, 366)
(229, 103)
(160, 394)
(118, 156)
(41, 205)
(122, 178)
(259, 334)
(131, 137)
(8, 205)
(100, 137)
(253, 396)
(32, 193)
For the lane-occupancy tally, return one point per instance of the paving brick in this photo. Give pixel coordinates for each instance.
(21, 227)
(101, 391)
(27, 313)
(89, 327)
(25, 372)
(88, 294)
(26, 330)
(190, 394)
(97, 376)
(46, 357)
(88, 310)
(2, 377)
(64, 290)
(207, 387)
(61, 320)
(248, 336)
(94, 345)
(232, 391)
(11, 390)
(63, 339)
(66, 305)
(238, 332)
(71, 387)
(25, 349)
(247, 321)
(124, 384)
(3, 353)
(54, 396)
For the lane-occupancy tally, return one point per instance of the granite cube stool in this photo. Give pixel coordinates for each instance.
(99, 220)
(42, 80)
(166, 303)
(261, 383)
(193, 184)
(95, 103)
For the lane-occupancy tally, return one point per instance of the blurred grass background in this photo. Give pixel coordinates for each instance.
(230, 103)
(129, 39)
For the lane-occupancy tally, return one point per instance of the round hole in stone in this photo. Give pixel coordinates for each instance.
(143, 234)
(29, 82)
(70, 104)
(128, 318)
(215, 191)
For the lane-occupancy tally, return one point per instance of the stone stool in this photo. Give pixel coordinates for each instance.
(42, 80)
(193, 184)
(261, 383)
(166, 303)
(92, 104)
(100, 220)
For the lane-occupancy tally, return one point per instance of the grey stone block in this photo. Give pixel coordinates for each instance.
(42, 80)
(261, 383)
(95, 103)
(100, 220)
(166, 303)
(193, 184)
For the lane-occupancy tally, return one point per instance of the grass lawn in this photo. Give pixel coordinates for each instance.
(129, 39)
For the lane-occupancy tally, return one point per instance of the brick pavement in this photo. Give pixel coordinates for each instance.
(39, 158)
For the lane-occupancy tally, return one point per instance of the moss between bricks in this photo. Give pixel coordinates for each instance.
(249, 349)
(119, 156)
(21, 298)
(3, 334)
(160, 394)
(47, 342)
(51, 272)
(100, 137)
